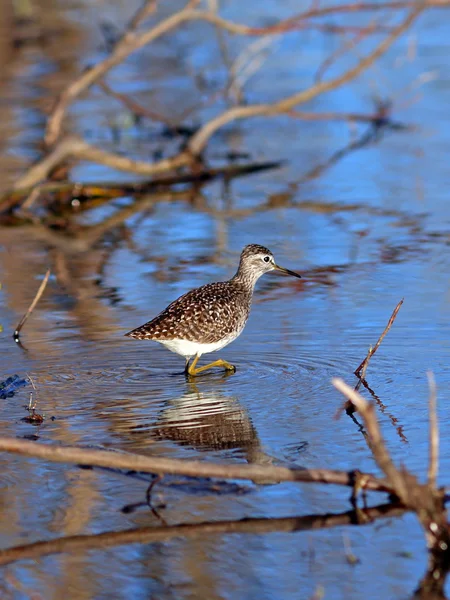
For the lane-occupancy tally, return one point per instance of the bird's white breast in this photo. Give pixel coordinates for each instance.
(186, 348)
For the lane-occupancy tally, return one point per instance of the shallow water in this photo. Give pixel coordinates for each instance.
(371, 230)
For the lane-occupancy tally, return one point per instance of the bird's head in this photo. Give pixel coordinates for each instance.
(257, 260)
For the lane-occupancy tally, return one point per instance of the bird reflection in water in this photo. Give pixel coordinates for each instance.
(206, 421)
(210, 421)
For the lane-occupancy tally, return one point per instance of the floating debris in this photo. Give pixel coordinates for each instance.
(9, 386)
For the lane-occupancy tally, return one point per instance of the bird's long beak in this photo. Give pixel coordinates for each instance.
(287, 272)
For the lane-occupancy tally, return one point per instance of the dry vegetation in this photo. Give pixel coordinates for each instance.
(36, 187)
(146, 27)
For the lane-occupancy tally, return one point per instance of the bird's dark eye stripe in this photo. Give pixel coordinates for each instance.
(266, 259)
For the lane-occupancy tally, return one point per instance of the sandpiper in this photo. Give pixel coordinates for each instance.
(210, 317)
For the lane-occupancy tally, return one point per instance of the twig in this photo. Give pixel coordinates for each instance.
(425, 500)
(372, 351)
(377, 444)
(31, 404)
(32, 306)
(150, 464)
(142, 13)
(347, 45)
(434, 433)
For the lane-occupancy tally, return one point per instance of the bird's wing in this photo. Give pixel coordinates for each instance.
(207, 313)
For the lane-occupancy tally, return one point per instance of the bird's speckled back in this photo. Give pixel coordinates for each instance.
(206, 314)
(214, 311)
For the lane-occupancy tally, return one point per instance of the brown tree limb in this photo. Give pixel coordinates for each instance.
(192, 468)
(365, 362)
(377, 445)
(425, 500)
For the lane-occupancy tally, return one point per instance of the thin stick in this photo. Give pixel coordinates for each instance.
(372, 351)
(32, 306)
(434, 432)
(377, 445)
(192, 468)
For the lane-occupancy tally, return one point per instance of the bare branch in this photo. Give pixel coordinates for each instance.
(193, 468)
(434, 432)
(143, 13)
(376, 441)
(32, 306)
(131, 42)
(365, 362)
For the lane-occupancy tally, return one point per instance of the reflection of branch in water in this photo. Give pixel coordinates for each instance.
(147, 535)
(383, 408)
(60, 195)
(371, 136)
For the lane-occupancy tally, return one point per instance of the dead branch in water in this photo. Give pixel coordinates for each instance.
(23, 320)
(372, 351)
(360, 372)
(426, 500)
(192, 468)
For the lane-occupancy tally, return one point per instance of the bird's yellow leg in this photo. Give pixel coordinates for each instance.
(217, 363)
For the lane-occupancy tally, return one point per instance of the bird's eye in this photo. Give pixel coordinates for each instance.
(266, 258)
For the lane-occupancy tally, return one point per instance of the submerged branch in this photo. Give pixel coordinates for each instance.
(192, 468)
(365, 362)
(377, 445)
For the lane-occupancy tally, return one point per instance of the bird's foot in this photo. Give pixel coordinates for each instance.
(193, 371)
